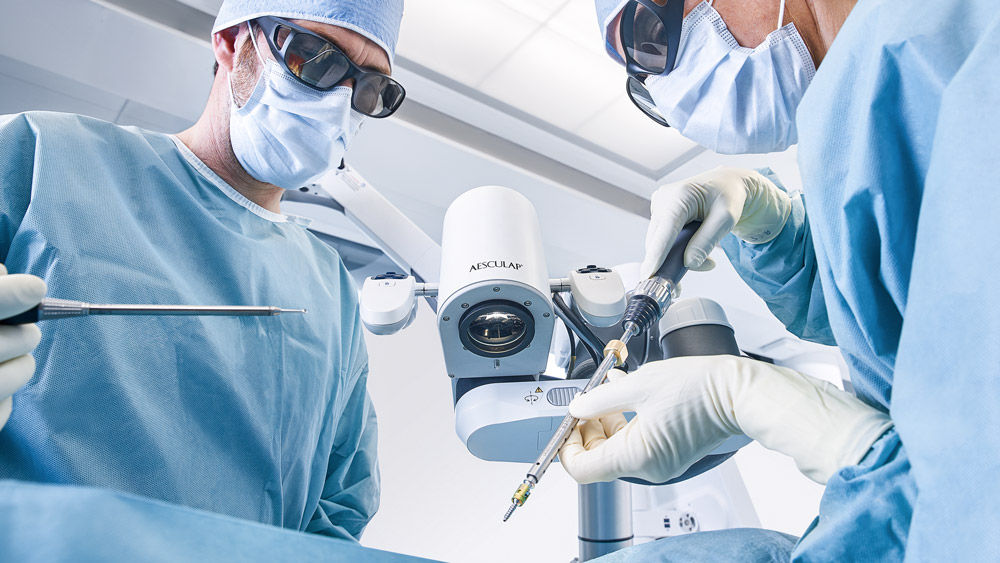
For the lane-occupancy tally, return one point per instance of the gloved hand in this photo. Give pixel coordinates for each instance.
(18, 293)
(724, 199)
(685, 407)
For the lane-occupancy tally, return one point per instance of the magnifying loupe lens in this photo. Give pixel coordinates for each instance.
(496, 328)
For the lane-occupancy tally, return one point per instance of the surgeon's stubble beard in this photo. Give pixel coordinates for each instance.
(245, 73)
(209, 138)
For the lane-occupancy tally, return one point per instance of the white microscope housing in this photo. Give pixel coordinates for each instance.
(495, 315)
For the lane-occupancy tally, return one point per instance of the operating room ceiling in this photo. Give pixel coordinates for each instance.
(543, 59)
(523, 81)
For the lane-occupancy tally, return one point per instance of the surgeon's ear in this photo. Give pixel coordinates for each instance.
(224, 45)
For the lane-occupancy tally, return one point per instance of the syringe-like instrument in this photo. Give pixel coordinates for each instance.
(646, 305)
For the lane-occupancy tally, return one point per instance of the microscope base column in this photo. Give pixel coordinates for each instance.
(605, 518)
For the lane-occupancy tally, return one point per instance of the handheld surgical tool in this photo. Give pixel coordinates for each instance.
(50, 309)
(645, 306)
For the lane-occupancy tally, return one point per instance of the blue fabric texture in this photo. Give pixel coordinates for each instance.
(378, 20)
(898, 138)
(746, 545)
(260, 418)
(103, 526)
(784, 272)
(898, 154)
(865, 511)
(898, 135)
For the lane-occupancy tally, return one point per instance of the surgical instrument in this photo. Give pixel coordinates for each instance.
(50, 309)
(645, 306)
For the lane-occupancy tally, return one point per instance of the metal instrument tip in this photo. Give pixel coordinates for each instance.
(510, 511)
(292, 311)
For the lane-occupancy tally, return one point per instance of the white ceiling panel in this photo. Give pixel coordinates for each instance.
(207, 6)
(626, 130)
(545, 58)
(577, 21)
(551, 78)
(538, 10)
(462, 39)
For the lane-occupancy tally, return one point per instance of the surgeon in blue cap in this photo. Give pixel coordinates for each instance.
(265, 419)
(890, 254)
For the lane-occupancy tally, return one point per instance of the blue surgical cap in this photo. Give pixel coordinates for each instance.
(377, 20)
(607, 10)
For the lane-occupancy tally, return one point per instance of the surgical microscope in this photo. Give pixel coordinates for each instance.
(497, 309)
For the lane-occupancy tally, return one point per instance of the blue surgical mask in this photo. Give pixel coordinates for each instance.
(288, 134)
(733, 99)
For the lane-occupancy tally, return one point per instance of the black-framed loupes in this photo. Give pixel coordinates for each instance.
(321, 65)
(650, 35)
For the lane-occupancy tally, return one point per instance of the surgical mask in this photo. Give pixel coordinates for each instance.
(288, 134)
(733, 99)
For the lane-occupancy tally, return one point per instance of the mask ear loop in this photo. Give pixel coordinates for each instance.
(256, 49)
(781, 13)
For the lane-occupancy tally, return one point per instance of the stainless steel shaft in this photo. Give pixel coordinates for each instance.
(569, 421)
(645, 307)
(51, 308)
(616, 353)
(177, 310)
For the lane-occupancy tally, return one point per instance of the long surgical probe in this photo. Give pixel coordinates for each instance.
(645, 307)
(50, 309)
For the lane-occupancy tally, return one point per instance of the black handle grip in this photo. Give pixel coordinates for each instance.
(25, 318)
(673, 268)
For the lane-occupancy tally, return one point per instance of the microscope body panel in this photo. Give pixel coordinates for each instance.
(491, 232)
(495, 316)
(513, 421)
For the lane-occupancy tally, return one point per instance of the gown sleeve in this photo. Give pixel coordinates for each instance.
(865, 511)
(784, 273)
(17, 162)
(351, 489)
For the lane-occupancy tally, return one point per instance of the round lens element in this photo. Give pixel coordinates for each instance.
(496, 329)
(642, 99)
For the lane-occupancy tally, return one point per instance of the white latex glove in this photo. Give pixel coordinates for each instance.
(685, 407)
(18, 293)
(725, 200)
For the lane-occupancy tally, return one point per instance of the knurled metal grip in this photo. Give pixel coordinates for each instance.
(619, 349)
(521, 494)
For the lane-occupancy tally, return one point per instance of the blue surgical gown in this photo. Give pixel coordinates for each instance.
(261, 418)
(892, 255)
(898, 150)
(56, 523)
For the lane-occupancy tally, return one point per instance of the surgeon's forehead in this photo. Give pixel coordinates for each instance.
(362, 51)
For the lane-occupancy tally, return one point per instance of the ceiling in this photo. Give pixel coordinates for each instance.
(529, 72)
(544, 58)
